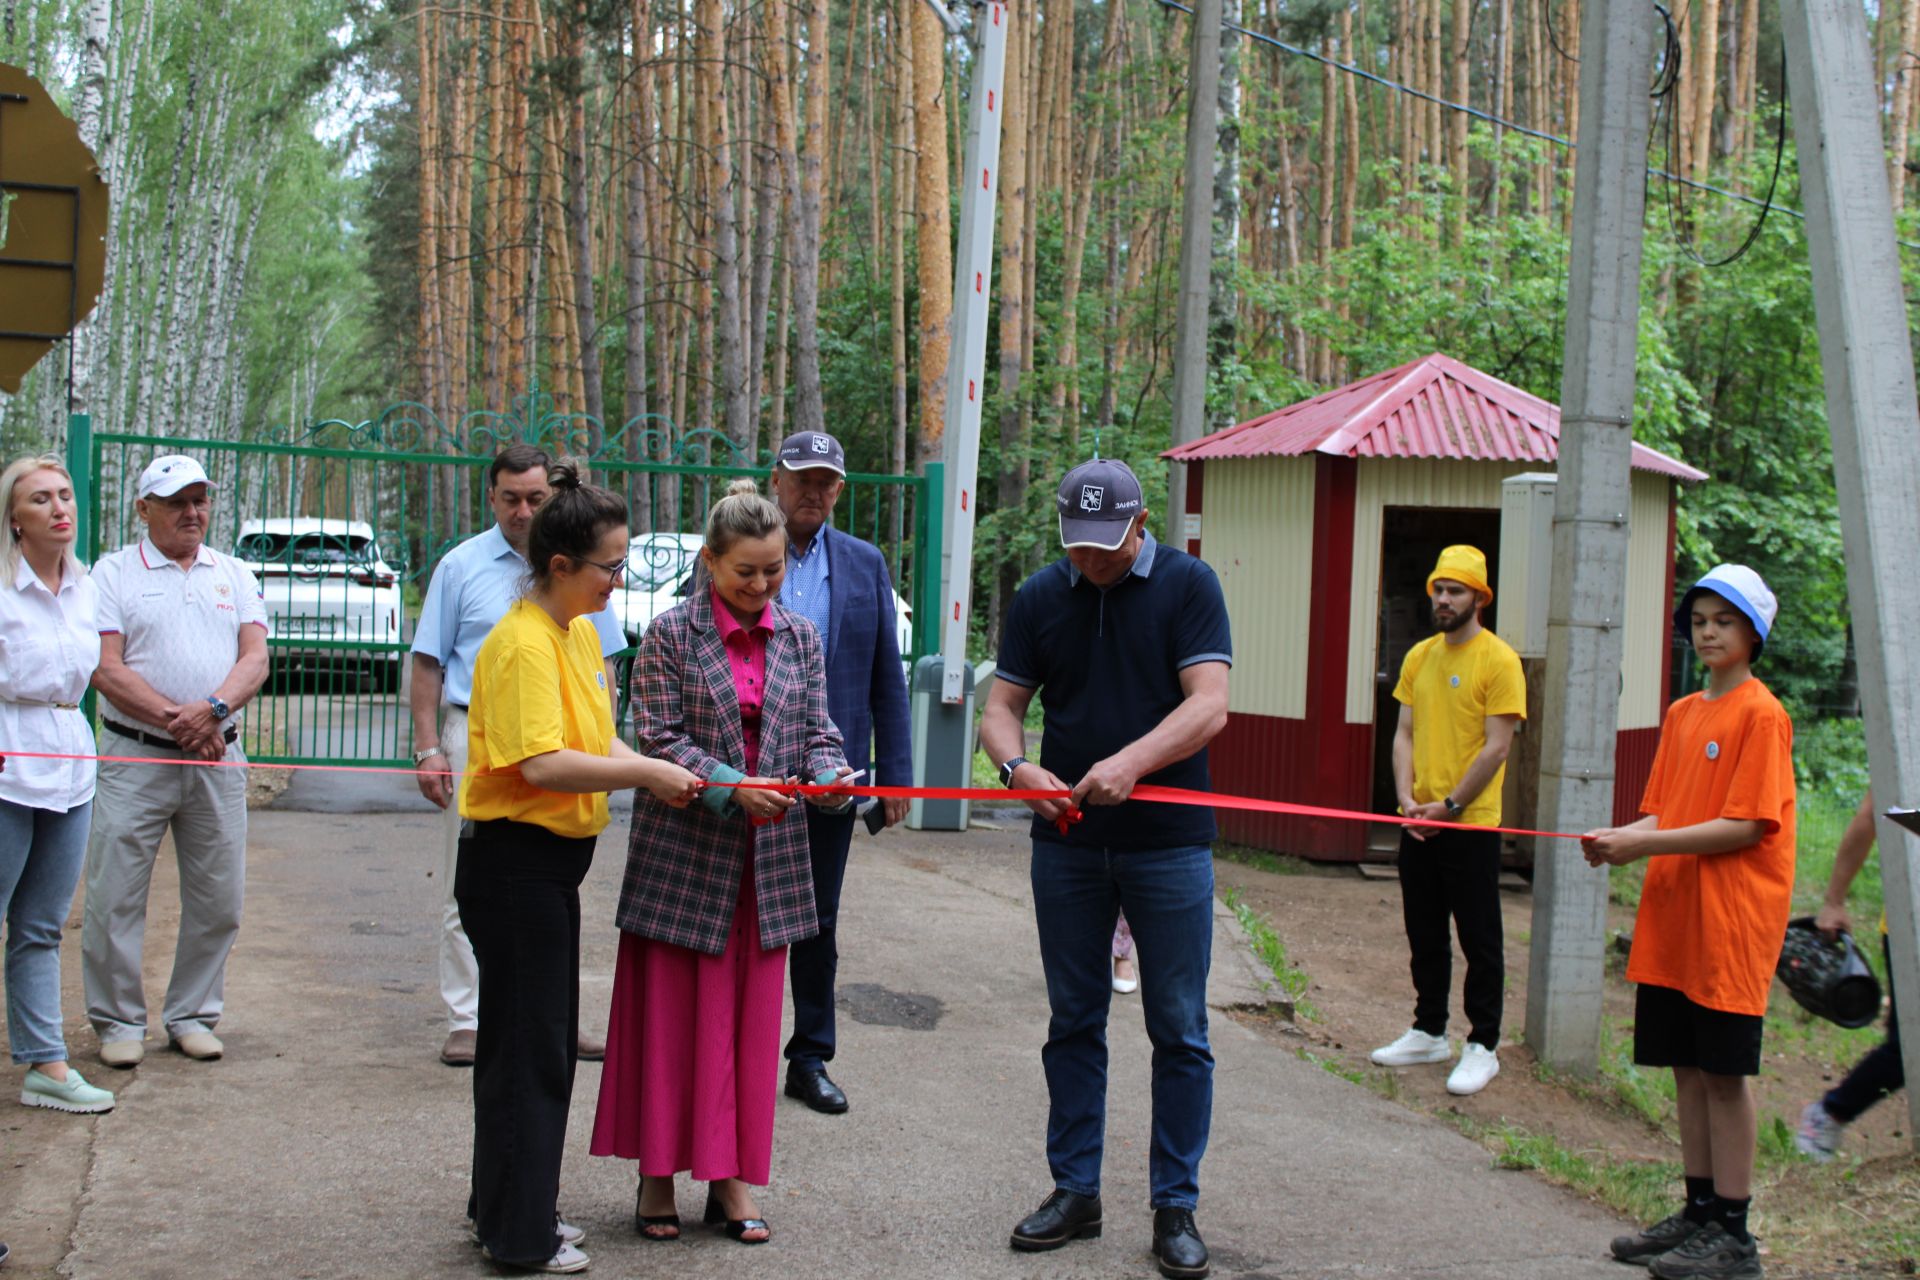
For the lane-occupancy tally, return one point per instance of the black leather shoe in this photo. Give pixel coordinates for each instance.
(818, 1092)
(1062, 1216)
(1177, 1243)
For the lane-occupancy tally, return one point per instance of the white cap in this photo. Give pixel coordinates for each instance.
(169, 474)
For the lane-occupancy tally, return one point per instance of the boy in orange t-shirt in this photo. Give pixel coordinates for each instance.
(1713, 913)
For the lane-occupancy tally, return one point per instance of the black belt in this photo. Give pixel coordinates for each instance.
(157, 740)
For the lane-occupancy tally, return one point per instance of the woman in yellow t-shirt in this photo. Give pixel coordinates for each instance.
(542, 756)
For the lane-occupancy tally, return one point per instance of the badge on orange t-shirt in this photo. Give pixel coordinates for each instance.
(1711, 925)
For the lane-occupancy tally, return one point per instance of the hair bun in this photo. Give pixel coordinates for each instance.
(563, 475)
(745, 484)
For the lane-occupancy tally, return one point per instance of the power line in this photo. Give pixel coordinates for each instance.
(1477, 114)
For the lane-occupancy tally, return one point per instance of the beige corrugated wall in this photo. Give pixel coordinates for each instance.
(1257, 533)
(1649, 623)
(1396, 482)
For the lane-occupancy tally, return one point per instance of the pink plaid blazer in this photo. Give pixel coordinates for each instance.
(684, 865)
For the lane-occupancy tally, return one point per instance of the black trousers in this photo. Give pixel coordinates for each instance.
(1454, 876)
(518, 887)
(1876, 1075)
(815, 961)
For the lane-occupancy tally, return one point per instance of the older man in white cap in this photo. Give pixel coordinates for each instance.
(183, 646)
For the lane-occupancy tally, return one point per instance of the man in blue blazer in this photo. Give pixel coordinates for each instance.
(841, 585)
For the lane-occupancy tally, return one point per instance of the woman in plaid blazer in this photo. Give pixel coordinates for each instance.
(732, 687)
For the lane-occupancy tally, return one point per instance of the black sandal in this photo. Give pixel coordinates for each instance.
(736, 1228)
(642, 1221)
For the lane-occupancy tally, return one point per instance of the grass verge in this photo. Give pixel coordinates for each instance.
(1272, 953)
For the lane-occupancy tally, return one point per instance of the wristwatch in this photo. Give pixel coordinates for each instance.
(1008, 769)
(423, 754)
(1453, 810)
(220, 709)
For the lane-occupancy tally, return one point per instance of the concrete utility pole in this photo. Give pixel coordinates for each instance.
(1868, 370)
(1588, 597)
(1196, 255)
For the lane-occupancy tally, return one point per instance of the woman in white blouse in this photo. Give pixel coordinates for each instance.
(49, 646)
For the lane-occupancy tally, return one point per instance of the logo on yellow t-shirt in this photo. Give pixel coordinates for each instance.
(601, 677)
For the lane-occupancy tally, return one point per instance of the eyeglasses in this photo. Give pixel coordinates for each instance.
(615, 570)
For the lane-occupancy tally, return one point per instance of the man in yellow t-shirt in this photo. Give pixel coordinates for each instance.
(1461, 695)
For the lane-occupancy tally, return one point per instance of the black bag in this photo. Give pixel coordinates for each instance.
(1830, 980)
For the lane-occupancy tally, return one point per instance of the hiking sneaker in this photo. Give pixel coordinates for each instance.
(1819, 1136)
(1412, 1049)
(73, 1095)
(1478, 1066)
(1711, 1253)
(1666, 1234)
(567, 1261)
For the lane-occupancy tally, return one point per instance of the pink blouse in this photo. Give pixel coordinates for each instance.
(747, 659)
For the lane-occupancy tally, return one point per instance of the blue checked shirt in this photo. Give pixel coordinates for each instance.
(808, 590)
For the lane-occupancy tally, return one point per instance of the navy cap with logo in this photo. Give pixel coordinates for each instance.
(1098, 502)
(805, 450)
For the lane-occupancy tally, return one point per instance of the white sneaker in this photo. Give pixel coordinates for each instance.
(1478, 1066)
(1412, 1049)
(1819, 1136)
(565, 1262)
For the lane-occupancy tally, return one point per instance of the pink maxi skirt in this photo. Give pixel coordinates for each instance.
(693, 1055)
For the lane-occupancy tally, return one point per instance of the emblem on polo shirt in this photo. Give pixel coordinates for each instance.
(223, 588)
(1091, 496)
(1713, 751)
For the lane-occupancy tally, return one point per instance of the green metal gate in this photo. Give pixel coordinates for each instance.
(344, 522)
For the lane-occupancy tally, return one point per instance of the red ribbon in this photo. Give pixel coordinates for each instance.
(1150, 793)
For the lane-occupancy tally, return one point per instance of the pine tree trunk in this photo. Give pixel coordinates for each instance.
(933, 222)
(1707, 15)
(639, 249)
(901, 115)
(1457, 121)
(722, 189)
(808, 412)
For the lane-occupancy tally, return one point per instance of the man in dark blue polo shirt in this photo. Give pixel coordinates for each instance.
(1126, 642)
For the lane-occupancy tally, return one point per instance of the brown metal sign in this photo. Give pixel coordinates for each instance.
(53, 226)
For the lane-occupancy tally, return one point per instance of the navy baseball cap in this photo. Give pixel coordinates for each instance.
(806, 450)
(1097, 503)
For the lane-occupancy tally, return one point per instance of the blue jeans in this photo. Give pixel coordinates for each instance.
(1167, 895)
(41, 853)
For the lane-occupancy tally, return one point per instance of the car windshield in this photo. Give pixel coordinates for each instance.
(308, 549)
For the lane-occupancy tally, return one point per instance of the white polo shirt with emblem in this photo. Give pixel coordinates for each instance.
(179, 628)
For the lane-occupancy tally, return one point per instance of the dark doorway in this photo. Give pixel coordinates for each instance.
(1411, 539)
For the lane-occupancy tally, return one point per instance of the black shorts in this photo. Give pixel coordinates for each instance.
(1670, 1030)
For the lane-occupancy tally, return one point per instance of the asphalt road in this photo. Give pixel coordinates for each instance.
(331, 1143)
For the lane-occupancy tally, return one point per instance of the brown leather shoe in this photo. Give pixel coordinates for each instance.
(590, 1048)
(458, 1050)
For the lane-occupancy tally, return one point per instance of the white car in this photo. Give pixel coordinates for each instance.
(325, 580)
(659, 566)
(660, 572)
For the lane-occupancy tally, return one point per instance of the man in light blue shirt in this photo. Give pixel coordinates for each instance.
(471, 589)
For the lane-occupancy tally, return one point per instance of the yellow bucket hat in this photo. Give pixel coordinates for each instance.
(1466, 565)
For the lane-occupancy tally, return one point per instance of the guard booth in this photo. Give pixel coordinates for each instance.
(1323, 520)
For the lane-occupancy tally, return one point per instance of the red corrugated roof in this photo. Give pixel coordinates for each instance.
(1434, 407)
